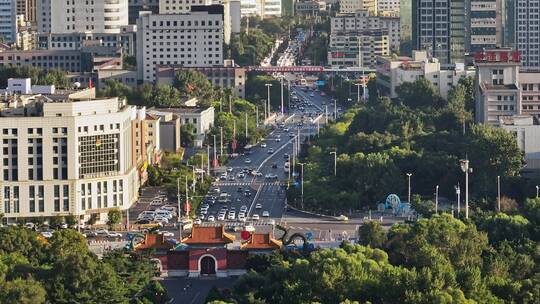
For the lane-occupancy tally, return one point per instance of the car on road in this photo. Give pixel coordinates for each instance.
(231, 177)
(258, 206)
(271, 176)
(255, 217)
(278, 139)
(266, 214)
(263, 145)
(211, 218)
(161, 219)
(270, 151)
(311, 95)
(286, 130)
(274, 166)
(140, 222)
(241, 175)
(47, 234)
(291, 135)
(197, 221)
(247, 193)
(229, 169)
(243, 208)
(223, 176)
(240, 189)
(221, 217)
(231, 215)
(342, 218)
(247, 161)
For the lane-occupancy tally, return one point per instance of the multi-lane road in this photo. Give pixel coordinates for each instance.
(268, 157)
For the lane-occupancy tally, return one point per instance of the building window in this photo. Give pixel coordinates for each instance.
(32, 198)
(56, 198)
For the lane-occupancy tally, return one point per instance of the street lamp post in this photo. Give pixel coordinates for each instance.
(499, 193)
(257, 116)
(335, 162)
(215, 152)
(458, 192)
(537, 190)
(464, 164)
(358, 85)
(436, 198)
(326, 113)
(221, 142)
(409, 192)
(282, 111)
(302, 182)
(178, 198)
(335, 109)
(268, 85)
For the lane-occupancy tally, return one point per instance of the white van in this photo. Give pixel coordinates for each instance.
(164, 213)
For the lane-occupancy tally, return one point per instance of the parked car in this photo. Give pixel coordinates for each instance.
(47, 234)
(266, 214)
(211, 218)
(258, 206)
(197, 221)
(255, 217)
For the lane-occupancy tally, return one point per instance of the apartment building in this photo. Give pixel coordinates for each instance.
(388, 7)
(486, 20)
(125, 40)
(27, 8)
(8, 20)
(200, 118)
(189, 40)
(358, 48)
(312, 8)
(527, 32)
(498, 91)
(227, 76)
(67, 153)
(136, 6)
(270, 8)
(97, 16)
(394, 71)
(362, 20)
(351, 6)
(439, 27)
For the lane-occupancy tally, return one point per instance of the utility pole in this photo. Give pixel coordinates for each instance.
(458, 192)
(265, 114)
(202, 166)
(246, 126)
(318, 127)
(302, 182)
(230, 105)
(187, 196)
(358, 91)
(215, 152)
(208, 159)
(178, 199)
(268, 85)
(335, 110)
(221, 143)
(335, 162)
(326, 113)
(298, 140)
(282, 111)
(257, 116)
(499, 193)
(436, 198)
(221, 104)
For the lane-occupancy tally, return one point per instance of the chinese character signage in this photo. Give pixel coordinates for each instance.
(498, 56)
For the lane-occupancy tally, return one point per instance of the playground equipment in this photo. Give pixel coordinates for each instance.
(394, 205)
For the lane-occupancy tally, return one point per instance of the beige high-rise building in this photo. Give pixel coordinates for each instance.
(66, 154)
(351, 6)
(28, 9)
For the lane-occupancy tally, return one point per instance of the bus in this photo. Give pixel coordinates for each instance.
(287, 167)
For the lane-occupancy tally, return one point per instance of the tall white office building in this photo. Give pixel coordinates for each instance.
(527, 32)
(66, 154)
(8, 20)
(76, 16)
(189, 40)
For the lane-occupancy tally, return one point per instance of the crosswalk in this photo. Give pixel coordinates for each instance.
(276, 183)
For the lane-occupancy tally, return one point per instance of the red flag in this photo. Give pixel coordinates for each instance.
(234, 145)
(90, 83)
(187, 207)
(215, 163)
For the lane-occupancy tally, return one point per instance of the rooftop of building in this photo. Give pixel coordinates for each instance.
(154, 241)
(180, 110)
(486, 86)
(208, 235)
(518, 120)
(258, 241)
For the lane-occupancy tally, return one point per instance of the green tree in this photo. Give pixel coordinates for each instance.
(114, 216)
(186, 135)
(371, 234)
(492, 152)
(22, 291)
(192, 83)
(155, 177)
(418, 94)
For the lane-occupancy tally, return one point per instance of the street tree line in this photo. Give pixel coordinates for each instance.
(62, 269)
(378, 142)
(492, 259)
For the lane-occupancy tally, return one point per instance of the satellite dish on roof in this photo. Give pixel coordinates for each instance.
(77, 85)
